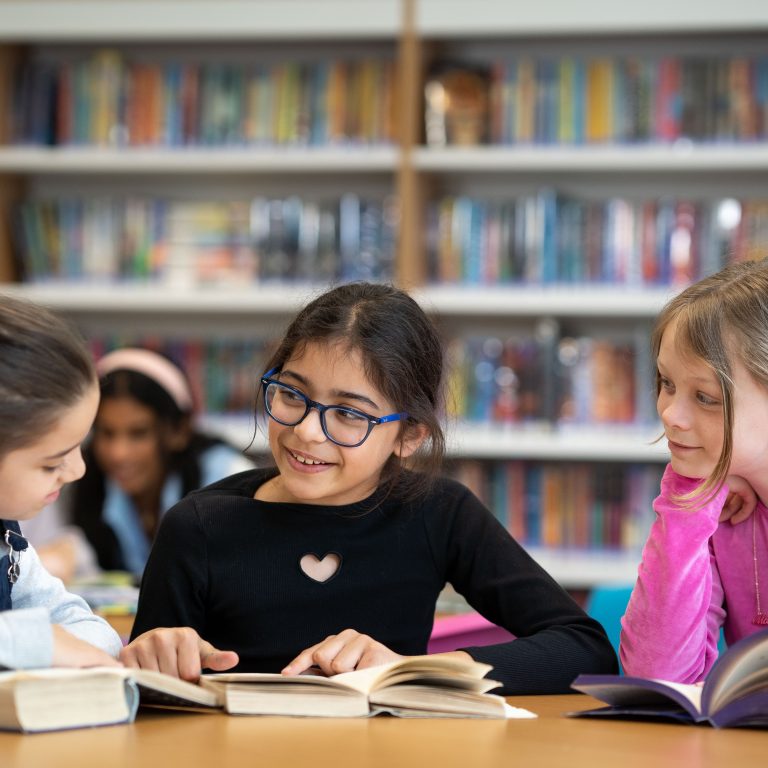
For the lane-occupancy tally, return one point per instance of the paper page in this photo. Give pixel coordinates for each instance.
(517, 713)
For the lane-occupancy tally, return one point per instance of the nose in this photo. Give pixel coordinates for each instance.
(74, 467)
(673, 412)
(115, 449)
(310, 429)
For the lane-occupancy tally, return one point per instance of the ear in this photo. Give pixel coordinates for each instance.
(411, 440)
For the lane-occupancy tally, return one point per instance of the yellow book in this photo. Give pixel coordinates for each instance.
(599, 115)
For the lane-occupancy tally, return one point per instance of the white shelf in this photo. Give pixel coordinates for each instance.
(500, 18)
(302, 160)
(531, 301)
(680, 157)
(577, 443)
(160, 299)
(481, 442)
(576, 569)
(169, 20)
(164, 299)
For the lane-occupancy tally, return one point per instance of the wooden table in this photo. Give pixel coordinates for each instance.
(172, 739)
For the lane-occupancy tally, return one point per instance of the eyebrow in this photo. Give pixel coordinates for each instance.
(703, 379)
(61, 453)
(340, 393)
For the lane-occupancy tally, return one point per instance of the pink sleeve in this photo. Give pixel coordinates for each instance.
(671, 627)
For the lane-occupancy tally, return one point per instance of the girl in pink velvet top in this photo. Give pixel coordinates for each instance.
(700, 570)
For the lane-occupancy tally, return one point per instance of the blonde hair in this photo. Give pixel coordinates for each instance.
(722, 319)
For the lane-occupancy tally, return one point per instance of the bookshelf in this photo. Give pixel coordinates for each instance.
(414, 34)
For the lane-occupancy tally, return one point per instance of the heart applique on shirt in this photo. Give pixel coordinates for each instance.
(320, 570)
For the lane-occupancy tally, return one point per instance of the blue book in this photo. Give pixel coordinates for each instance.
(734, 693)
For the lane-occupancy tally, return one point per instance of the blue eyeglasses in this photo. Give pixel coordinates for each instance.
(344, 426)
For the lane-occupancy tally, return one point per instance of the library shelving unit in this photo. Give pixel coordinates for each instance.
(481, 33)
(415, 34)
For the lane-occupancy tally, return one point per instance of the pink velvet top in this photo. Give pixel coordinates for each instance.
(696, 575)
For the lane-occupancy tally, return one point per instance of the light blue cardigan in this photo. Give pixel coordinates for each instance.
(40, 600)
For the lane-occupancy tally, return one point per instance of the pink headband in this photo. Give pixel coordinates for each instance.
(153, 366)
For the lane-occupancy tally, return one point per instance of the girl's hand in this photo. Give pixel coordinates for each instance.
(177, 651)
(71, 651)
(344, 652)
(741, 500)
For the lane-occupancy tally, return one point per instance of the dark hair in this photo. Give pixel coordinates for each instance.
(721, 319)
(88, 493)
(45, 368)
(402, 357)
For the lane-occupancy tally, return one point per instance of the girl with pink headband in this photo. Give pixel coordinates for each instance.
(144, 455)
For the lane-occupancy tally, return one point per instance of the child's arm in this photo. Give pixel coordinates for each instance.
(671, 626)
(555, 641)
(172, 612)
(27, 638)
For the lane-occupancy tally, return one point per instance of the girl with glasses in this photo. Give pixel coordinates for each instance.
(334, 558)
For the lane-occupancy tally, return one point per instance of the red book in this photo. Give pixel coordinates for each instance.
(668, 100)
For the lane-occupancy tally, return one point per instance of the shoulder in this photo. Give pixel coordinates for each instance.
(447, 489)
(238, 484)
(221, 460)
(208, 502)
(447, 498)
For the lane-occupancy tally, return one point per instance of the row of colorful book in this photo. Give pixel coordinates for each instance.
(550, 379)
(111, 98)
(534, 99)
(578, 506)
(540, 381)
(546, 238)
(223, 373)
(262, 239)
(550, 237)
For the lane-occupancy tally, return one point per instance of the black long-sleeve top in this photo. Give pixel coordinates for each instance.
(228, 566)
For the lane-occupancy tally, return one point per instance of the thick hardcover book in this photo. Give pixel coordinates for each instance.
(735, 692)
(420, 686)
(58, 699)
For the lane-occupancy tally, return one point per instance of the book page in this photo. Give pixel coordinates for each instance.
(215, 680)
(430, 669)
(157, 688)
(739, 664)
(628, 691)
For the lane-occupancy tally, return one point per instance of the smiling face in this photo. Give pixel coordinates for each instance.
(128, 445)
(314, 470)
(690, 405)
(32, 476)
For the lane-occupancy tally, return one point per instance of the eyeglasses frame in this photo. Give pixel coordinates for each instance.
(373, 421)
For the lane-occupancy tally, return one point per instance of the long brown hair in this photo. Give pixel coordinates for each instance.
(721, 319)
(402, 356)
(44, 369)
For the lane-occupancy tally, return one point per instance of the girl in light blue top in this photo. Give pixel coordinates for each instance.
(145, 454)
(48, 398)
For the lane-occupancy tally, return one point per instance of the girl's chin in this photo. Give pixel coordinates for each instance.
(691, 469)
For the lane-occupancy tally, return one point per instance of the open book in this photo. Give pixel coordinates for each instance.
(420, 686)
(55, 699)
(735, 692)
